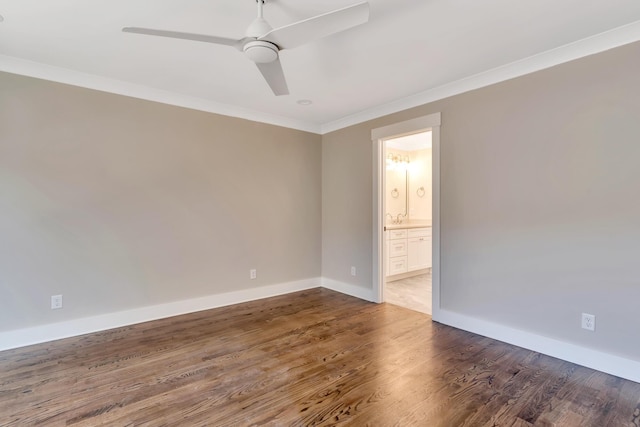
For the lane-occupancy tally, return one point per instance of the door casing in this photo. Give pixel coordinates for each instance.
(431, 123)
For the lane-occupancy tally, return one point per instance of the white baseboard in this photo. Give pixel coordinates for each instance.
(604, 362)
(55, 331)
(348, 289)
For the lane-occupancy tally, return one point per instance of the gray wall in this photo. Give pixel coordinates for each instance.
(118, 203)
(540, 201)
(347, 235)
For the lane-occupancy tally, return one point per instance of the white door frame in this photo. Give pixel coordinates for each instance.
(378, 137)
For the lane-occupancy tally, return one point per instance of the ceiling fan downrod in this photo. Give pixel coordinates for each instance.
(260, 4)
(260, 51)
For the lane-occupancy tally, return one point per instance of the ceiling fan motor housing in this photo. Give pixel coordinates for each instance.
(261, 52)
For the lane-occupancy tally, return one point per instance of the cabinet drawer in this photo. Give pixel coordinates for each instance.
(397, 247)
(420, 239)
(397, 265)
(396, 234)
(420, 232)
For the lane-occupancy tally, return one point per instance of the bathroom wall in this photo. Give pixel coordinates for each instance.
(420, 191)
(419, 177)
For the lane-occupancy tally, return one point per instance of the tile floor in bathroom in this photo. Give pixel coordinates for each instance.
(413, 293)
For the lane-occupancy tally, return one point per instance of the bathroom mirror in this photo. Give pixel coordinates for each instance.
(408, 179)
(397, 192)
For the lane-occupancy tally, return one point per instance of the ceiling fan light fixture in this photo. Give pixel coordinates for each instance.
(262, 44)
(261, 52)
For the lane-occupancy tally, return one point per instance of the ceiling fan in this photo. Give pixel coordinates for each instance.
(262, 43)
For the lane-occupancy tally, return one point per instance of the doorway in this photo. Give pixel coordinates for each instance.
(408, 221)
(383, 251)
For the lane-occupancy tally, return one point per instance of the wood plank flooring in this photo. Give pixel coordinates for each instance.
(306, 359)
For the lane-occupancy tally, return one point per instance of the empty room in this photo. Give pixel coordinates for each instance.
(403, 213)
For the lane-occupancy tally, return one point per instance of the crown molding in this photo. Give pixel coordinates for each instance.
(591, 45)
(11, 64)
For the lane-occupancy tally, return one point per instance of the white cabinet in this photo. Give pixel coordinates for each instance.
(396, 252)
(419, 249)
(397, 247)
(397, 234)
(408, 250)
(397, 265)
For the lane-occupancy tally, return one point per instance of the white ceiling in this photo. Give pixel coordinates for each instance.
(410, 52)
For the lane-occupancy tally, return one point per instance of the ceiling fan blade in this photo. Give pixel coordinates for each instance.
(304, 31)
(273, 74)
(186, 36)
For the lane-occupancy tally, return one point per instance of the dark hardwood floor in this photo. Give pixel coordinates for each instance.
(309, 358)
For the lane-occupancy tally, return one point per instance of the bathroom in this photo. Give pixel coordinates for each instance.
(408, 219)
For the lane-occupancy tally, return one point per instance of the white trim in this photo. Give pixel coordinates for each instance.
(75, 327)
(435, 222)
(406, 127)
(378, 136)
(591, 45)
(39, 70)
(378, 236)
(348, 289)
(604, 362)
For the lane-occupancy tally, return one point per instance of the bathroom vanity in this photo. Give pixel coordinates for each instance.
(408, 248)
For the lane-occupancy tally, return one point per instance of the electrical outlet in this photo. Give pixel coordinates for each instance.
(56, 302)
(353, 271)
(588, 322)
(253, 273)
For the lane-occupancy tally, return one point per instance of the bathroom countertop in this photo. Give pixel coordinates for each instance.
(412, 223)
